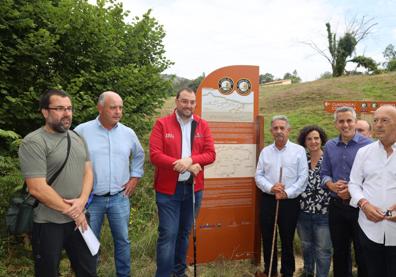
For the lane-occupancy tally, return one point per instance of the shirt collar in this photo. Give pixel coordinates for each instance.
(380, 145)
(180, 120)
(356, 138)
(100, 124)
(284, 147)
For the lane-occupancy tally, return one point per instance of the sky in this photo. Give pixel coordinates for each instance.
(203, 35)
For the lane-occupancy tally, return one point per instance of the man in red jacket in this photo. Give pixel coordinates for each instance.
(180, 146)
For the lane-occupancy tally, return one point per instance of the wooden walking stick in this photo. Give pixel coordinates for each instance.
(194, 232)
(273, 245)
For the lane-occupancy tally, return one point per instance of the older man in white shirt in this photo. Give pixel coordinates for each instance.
(373, 189)
(292, 159)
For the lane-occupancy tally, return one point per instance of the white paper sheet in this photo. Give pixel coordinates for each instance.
(91, 240)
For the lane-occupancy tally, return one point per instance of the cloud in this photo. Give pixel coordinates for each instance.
(204, 35)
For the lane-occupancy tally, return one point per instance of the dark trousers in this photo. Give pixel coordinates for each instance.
(48, 240)
(344, 229)
(287, 221)
(380, 260)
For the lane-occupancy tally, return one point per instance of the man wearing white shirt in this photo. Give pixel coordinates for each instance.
(292, 159)
(373, 189)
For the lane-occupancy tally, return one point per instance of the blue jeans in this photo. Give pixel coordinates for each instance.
(175, 216)
(116, 207)
(314, 233)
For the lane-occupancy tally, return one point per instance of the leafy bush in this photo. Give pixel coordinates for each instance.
(83, 49)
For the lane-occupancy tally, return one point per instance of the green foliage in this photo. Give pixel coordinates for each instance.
(196, 82)
(391, 65)
(390, 56)
(340, 50)
(366, 62)
(83, 49)
(265, 78)
(292, 76)
(389, 52)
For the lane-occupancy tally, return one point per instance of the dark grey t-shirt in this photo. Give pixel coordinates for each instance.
(41, 154)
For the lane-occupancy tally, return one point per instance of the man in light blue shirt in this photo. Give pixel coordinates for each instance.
(281, 175)
(117, 159)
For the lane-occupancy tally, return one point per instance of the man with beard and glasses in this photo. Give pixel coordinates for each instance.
(281, 175)
(60, 211)
(117, 159)
(338, 157)
(180, 146)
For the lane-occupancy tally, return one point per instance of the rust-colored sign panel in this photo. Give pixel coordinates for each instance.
(233, 132)
(228, 218)
(226, 222)
(359, 106)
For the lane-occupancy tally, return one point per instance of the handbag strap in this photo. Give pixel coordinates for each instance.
(53, 177)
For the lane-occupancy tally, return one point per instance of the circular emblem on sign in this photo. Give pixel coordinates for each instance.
(244, 87)
(226, 85)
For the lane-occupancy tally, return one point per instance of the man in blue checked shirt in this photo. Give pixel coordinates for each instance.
(117, 158)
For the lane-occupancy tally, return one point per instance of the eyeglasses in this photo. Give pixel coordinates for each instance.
(61, 109)
(186, 102)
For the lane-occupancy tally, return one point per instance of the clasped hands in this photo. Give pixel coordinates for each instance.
(185, 164)
(279, 190)
(340, 188)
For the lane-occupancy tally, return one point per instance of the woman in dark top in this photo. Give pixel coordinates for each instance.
(313, 222)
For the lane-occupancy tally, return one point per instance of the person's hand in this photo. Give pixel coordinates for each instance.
(343, 192)
(195, 169)
(77, 206)
(281, 195)
(182, 165)
(337, 186)
(81, 221)
(278, 188)
(373, 213)
(130, 187)
(392, 217)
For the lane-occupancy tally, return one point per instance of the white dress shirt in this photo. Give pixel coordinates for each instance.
(186, 143)
(293, 160)
(373, 177)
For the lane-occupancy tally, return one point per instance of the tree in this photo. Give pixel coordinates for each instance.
(196, 82)
(265, 78)
(339, 49)
(83, 49)
(390, 56)
(293, 77)
(389, 52)
(366, 62)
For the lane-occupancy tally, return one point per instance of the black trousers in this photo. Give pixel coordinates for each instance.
(48, 240)
(380, 260)
(344, 229)
(287, 221)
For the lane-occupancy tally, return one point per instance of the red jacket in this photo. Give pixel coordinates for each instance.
(165, 148)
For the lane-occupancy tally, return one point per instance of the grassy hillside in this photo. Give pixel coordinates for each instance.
(303, 103)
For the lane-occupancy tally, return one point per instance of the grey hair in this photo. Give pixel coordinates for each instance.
(281, 117)
(102, 97)
(344, 109)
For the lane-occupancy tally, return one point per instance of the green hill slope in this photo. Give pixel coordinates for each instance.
(303, 103)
